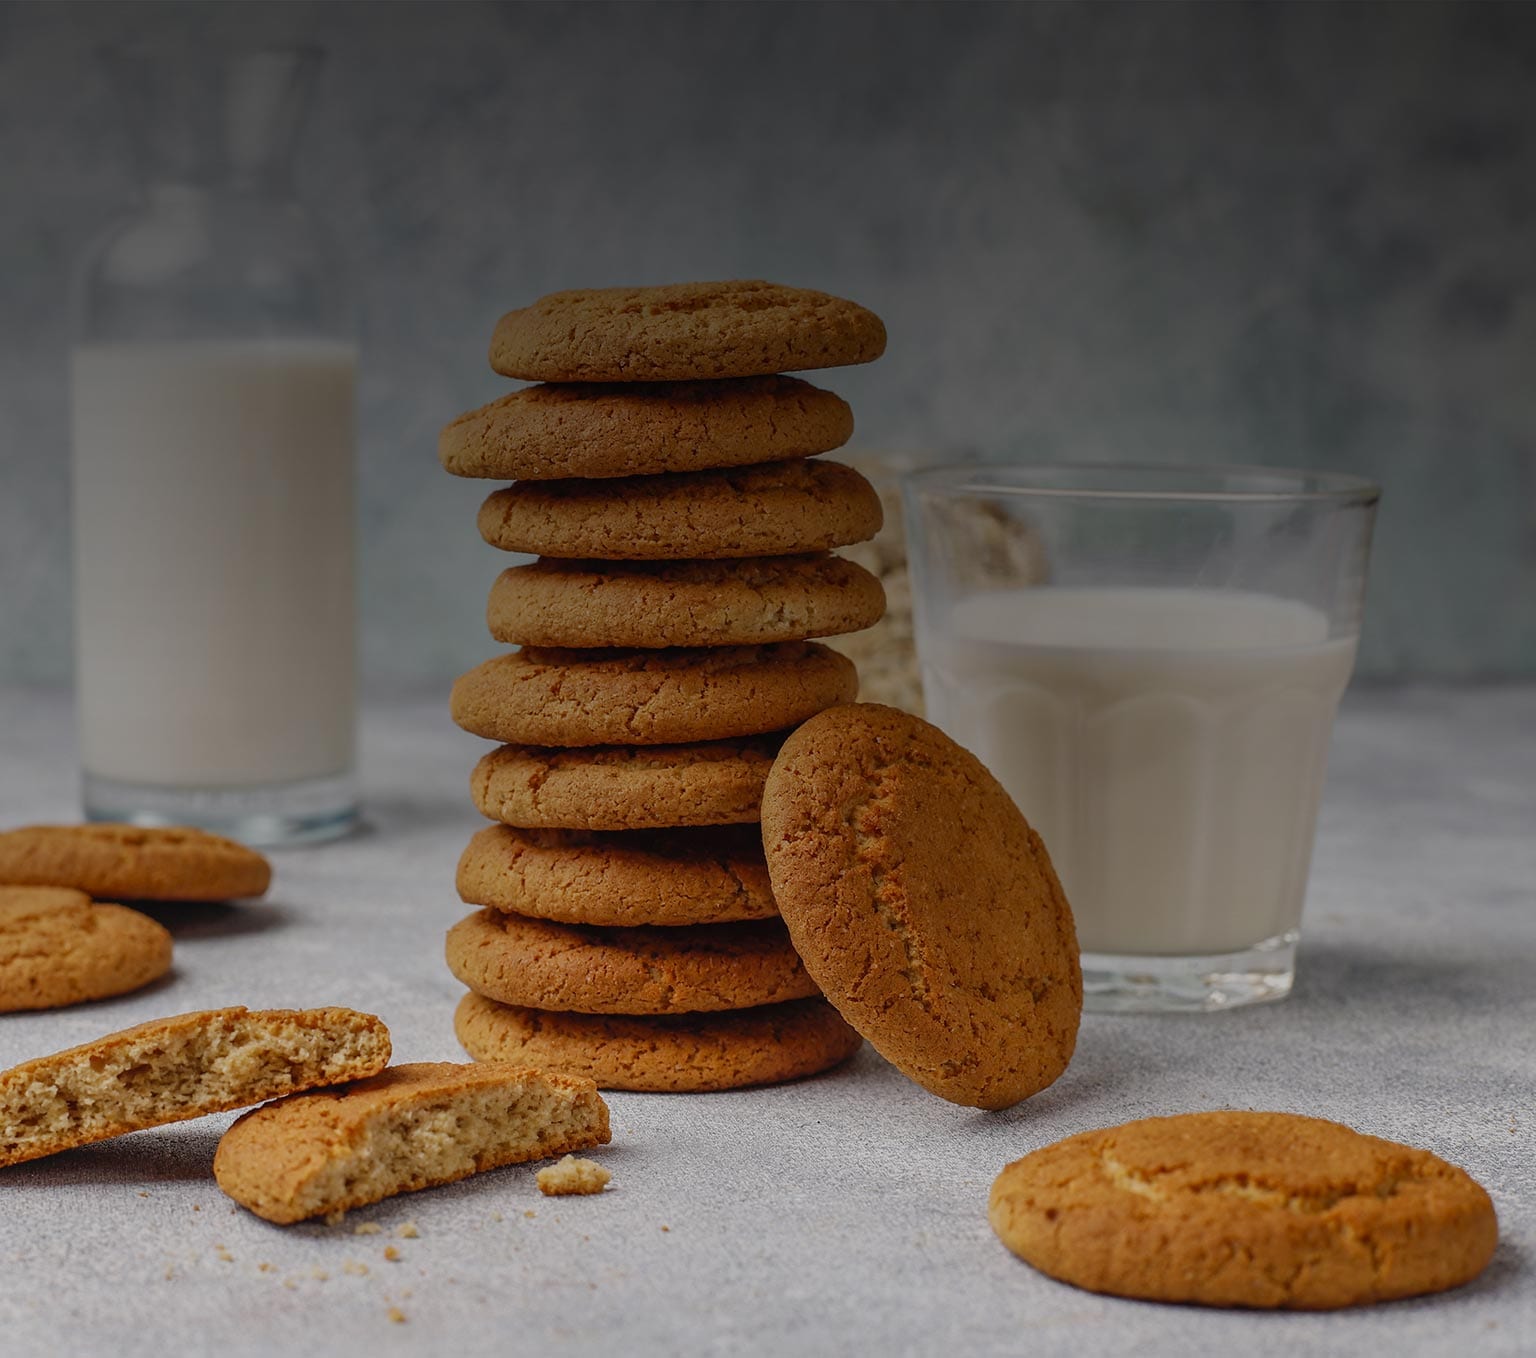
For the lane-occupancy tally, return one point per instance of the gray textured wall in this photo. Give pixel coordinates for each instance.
(1289, 233)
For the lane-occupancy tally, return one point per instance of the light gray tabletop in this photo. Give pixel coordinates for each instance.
(844, 1214)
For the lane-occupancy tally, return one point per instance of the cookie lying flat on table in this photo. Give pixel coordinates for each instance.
(545, 696)
(586, 970)
(751, 602)
(57, 947)
(172, 1069)
(132, 862)
(923, 904)
(709, 875)
(594, 431)
(778, 509)
(625, 787)
(683, 332)
(667, 1053)
(412, 1127)
(1244, 1209)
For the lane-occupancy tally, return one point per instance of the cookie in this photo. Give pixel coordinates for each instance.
(58, 948)
(670, 1053)
(923, 904)
(713, 875)
(625, 787)
(778, 509)
(595, 431)
(132, 862)
(411, 1127)
(1244, 1209)
(683, 332)
(172, 1069)
(542, 696)
(688, 969)
(651, 604)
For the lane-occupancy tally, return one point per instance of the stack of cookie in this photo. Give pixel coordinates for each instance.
(627, 930)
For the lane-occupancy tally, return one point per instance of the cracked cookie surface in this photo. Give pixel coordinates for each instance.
(688, 969)
(677, 1053)
(923, 904)
(1247, 1209)
(683, 332)
(710, 875)
(653, 604)
(596, 430)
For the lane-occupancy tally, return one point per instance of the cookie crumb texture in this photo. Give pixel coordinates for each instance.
(596, 432)
(1244, 1209)
(171, 1069)
(923, 904)
(669, 1053)
(683, 332)
(572, 1176)
(58, 947)
(652, 604)
(133, 862)
(412, 1127)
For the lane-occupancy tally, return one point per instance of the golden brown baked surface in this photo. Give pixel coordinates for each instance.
(171, 1069)
(625, 787)
(410, 1127)
(581, 969)
(683, 332)
(923, 904)
(57, 947)
(707, 875)
(595, 431)
(132, 862)
(651, 604)
(1244, 1209)
(668, 1053)
(776, 509)
(544, 696)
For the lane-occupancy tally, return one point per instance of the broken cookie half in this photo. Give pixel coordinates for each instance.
(414, 1126)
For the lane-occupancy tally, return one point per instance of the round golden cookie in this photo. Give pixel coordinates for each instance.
(591, 430)
(665, 1053)
(58, 948)
(586, 970)
(923, 904)
(752, 602)
(711, 875)
(1244, 1209)
(683, 332)
(133, 862)
(776, 509)
(625, 787)
(541, 696)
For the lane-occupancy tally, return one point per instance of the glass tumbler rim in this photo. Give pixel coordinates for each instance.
(1147, 482)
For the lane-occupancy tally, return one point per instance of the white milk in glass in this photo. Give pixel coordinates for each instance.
(1169, 745)
(214, 561)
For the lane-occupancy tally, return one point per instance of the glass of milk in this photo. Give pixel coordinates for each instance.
(212, 390)
(1151, 669)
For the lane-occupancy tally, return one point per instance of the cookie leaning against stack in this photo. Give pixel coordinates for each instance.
(662, 475)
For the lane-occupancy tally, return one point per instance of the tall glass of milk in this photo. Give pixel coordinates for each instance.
(212, 389)
(1156, 695)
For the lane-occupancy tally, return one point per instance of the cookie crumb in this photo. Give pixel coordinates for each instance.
(292, 1284)
(170, 1272)
(356, 1269)
(392, 1254)
(224, 1254)
(264, 1267)
(197, 1207)
(367, 1228)
(666, 1228)
(335, 1218)
(319, 1274)
(572, 1176)
(143, 1194)
(396, 1315)
(407, 1230)
(530, 1214)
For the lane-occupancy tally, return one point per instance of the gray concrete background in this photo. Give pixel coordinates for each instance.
(1294, 234)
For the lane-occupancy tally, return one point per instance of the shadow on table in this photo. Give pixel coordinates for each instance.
(142, 1158)
(189, 921)
(1338, 976)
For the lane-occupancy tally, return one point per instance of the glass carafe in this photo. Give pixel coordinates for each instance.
(212, 387)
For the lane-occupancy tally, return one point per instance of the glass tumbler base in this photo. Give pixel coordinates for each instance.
(268, 815)
(1116, 984)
